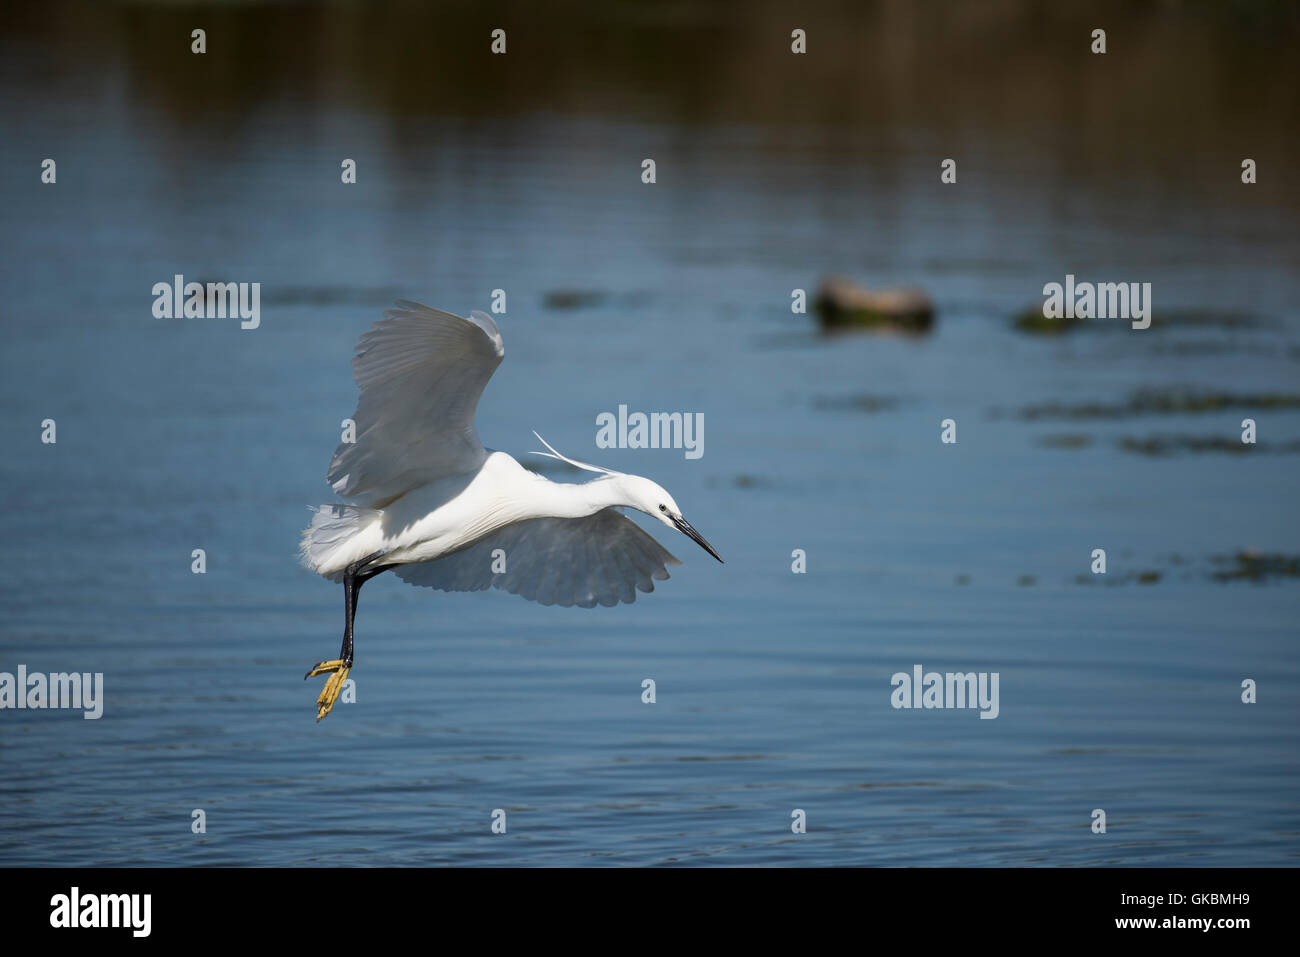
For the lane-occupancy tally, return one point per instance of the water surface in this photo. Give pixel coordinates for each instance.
(773, 688)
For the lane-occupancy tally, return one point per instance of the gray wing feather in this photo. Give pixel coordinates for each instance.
(601, 559)
(421, 372)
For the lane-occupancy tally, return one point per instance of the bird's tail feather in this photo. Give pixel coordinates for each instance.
(328, 540)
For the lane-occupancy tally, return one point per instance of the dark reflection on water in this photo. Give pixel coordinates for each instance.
(523, 173)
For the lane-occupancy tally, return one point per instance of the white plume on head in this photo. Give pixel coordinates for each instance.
(639, 492)
(552, 454)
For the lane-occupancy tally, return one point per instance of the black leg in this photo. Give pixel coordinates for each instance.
(354, 576)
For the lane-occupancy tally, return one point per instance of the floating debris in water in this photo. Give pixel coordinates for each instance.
(573, 299)
(1142, 577)
(1248, 564)
(1252, 565)
(843, 304)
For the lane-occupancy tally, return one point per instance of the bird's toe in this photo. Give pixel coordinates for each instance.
(330, 693)
(323, 667)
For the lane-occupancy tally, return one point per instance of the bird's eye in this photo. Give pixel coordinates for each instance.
(663, 508)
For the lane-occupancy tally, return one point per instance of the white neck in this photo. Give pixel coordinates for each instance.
(561, 500)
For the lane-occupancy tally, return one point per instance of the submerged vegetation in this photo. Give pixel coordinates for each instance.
(1033, 322)
(1251, 565)
(1163, 401)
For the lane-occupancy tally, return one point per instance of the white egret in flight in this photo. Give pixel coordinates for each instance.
(432, 504)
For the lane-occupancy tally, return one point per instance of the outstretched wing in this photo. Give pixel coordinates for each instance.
(421, 372)
(601, 559)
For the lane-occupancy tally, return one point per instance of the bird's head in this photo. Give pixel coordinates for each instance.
(633, 491)
(651, 498)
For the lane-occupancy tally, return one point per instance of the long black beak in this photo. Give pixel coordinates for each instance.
(695, 536)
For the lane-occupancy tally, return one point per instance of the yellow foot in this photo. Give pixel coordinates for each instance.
(338, 673)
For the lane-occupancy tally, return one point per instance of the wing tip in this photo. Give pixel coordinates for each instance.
(408, 308)
(488, 325)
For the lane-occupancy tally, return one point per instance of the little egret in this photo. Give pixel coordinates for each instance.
(440, 510)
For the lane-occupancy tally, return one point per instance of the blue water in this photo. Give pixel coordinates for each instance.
(773, 688)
